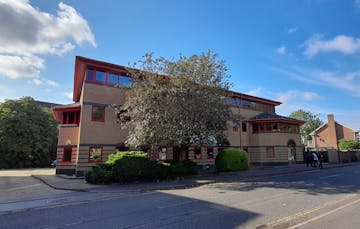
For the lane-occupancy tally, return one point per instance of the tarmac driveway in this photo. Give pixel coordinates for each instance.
(16, 185)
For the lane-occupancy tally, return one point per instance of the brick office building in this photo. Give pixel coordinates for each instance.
(89, 130)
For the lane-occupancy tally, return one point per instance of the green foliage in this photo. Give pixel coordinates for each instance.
(28, 134)
(99, 175)
(116, 156)
(135, 166)
(232, 160)
(178, 103)
(311, 120)
(183, 168)
(347, 144)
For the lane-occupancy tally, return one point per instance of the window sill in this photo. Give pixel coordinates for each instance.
(68, 125)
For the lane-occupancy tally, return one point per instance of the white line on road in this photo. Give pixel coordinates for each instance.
(336, 175)
(325, 214)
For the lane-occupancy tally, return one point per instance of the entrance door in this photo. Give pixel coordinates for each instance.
(291, 151)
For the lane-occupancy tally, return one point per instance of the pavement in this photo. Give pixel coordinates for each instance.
(41, 188)
(70, 183)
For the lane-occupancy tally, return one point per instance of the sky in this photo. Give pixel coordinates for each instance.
(305, 53)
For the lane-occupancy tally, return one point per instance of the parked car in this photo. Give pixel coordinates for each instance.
(53, 164)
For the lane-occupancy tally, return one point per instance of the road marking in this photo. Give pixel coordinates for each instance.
(23, 187)
(336, 175)
(323, 215)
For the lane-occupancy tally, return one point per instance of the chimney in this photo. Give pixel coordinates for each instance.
(332, 131)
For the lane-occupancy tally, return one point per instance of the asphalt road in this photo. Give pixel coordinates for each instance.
(246, 204)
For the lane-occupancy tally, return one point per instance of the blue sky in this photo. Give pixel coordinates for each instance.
(305, 54)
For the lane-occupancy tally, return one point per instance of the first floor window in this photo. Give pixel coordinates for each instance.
(95, 154)
(67, 154)
(98, 114)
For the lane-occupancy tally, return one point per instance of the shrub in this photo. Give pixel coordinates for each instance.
(99, 175)
(116, 156)
(183, 168)
(129, 168)
(232, 160)
(156, 171)
(135, 166)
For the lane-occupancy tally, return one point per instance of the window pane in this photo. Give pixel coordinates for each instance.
(112, 78)
(67, 155)
(100, 76)
(71, 117)
(197, 153)
(255, 128)
(98, 114)
(268, 126)
(90, 75)
(125, 81)
(210, 153)
(95, 154)
(243, 124)
(270, 152)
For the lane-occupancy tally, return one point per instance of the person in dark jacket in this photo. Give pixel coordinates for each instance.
(321, 160)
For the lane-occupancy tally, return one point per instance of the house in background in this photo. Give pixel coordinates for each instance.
(326, 138)
(328, 135)
(90, 130)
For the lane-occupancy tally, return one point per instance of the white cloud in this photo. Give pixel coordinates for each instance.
(357, 3)
(68, 95)
(281, 50)
(292, 95)
(341, 43)
(293, 100)
(52, 83)
(36, 81)
(344, 81)
(256, 92)
(20, 66)
(292, 30)
(27, 32)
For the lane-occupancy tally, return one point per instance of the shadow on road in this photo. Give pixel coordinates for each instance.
(336, 181)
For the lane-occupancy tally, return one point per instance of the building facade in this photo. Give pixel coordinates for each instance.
(327, 136)
(89, 129)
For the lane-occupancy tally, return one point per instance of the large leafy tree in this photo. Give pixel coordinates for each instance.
(311, 120)
(28, 134)
(178, 103)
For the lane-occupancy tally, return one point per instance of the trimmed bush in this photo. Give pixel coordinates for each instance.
(116, 156)
(183, 168)
(135, 166)
(99, 175)
(232, 160)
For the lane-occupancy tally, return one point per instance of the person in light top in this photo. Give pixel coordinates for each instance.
(315, 159)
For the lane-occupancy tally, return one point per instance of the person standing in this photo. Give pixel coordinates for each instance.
(315, 159)
(321, 160)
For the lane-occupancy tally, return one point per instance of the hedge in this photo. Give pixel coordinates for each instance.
(135, 166)
(232, 160)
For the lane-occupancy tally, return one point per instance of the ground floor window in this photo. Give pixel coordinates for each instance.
(95, 153)
(197, 153)
(67, 154)
(210, 153)
(270, 151)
